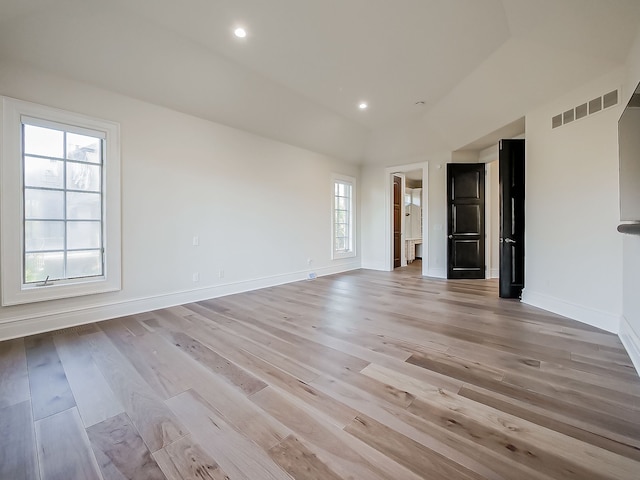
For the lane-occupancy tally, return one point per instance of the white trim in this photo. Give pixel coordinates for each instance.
(494, 273)
(631, 341)
(591, 316)
(20, 326)
(437, 273)
(352, 220)
(14, 292)
(424, 202)
(379, 265)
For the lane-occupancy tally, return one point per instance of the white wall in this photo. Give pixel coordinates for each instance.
(630, 326)
(573, 251)
(493, 218)
(260, 208)
(376, 245)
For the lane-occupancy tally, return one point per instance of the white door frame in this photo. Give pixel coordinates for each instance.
(424, 202)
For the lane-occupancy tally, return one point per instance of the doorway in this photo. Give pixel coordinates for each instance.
(415, 172)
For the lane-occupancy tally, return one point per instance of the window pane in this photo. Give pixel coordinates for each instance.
(84, 264)
(83, 235)
(83, 206)
(83, 148)
(341, 203)
(45, 204)
(42, 172)
(82, 176)
(37, 266)
(43, 141)
(43, 236)
(340, 243)
(341, 230)
(341, 216)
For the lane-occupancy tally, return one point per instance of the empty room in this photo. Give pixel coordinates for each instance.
(304, 239)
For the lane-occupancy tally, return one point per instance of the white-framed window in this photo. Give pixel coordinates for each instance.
(60, 204)
(343, 217)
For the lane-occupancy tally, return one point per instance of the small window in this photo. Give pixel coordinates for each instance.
(343, 215)
(60, 204)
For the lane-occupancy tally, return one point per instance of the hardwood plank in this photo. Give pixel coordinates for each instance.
(598, 463)
(217, 363)
(409, 453)
(580, 430)
(95, 399)
(156, 424)
(63, 448)
(18, 457)
(50, 390)
(310, 352)
(557, 455)
(239, 457)
(300, 462)
(456, 367)
(404, 423)
(14, 379)
(330, 444)
(186, 460)
(152, 358)
(223, 343)
(121, 452)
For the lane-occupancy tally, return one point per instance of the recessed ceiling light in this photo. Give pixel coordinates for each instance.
(240, 32)
(362, 106)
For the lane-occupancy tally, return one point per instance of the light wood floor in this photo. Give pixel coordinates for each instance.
(365, 375)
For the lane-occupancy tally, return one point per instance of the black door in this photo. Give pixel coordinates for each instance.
(465, 218)
(397, 226)
(511, 158)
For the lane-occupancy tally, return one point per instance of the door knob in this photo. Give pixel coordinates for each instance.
(509, 240)
(450, 237)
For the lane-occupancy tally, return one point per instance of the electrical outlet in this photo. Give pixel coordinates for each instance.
(309, 261)
(196, 277)
(196, 241)
(221, 273)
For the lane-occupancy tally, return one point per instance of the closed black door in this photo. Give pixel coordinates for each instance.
(465, 218)
(511, 158)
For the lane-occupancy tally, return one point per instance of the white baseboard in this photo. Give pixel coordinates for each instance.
(591, 316)
(631, 341)
(380, 266)
(21, 326)
(437, 273)
(494, 273)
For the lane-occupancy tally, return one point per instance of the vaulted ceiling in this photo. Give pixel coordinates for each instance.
(305, 65)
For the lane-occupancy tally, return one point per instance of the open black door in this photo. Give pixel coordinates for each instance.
(397, 225)
(465, 219)
(511, 158)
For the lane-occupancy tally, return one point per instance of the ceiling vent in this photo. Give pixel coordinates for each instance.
(589, 108)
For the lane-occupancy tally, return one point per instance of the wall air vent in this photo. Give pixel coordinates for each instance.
(593, 106)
